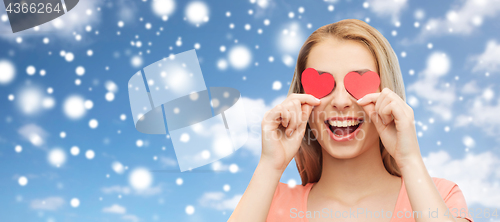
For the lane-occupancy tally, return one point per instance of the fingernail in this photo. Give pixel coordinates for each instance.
(317, 99)
(313, 107)
(291, 133)
(359, 100)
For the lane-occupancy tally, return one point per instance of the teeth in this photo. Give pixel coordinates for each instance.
(343, 123)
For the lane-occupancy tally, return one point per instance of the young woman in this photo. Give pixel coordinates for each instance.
(371, 170)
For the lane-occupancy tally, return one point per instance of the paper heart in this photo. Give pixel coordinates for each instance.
(360, 85)
(317, 85)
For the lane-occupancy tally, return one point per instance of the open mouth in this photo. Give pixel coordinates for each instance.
(344, 128)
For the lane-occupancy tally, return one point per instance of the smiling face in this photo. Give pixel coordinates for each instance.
(341, 126)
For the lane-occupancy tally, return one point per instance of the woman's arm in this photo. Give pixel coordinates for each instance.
(283, 129)
(423, 194)
(395, 123)
(256, 201)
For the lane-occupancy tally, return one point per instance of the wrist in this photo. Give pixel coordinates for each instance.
(268, 167)
(411, 163)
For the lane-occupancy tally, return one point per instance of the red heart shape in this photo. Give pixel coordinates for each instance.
(360, 85)
(315, 84)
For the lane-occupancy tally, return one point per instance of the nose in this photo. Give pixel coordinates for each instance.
(341, 99)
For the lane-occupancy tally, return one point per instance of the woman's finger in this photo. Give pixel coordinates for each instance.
(384, 100)
(293, 107)
(368, 98)
(385, 112)
(305, 98)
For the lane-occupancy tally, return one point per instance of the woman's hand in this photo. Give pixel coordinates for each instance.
(394, 121)
(283, 129)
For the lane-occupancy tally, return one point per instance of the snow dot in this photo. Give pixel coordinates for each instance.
(88, 104)
(413, 101)
(267, 22)
(139, 143)
(90, 154)
(240, 57)
(194, 96)
(93, 123)
(271, 59)
(228, 14)
(11, 97)
(121, 24)
(75, 202)
(163, 7)
(7, 72)
(74, 107)
(62, 134)
(22, 181)
(69, 57)
(123, 117)
(136, 61)
(111, 86)
(301, 9)
(438, 64)
(19, 40)
(18, 149)
(366, 4)
(403, 54)
(331, 8)
(488, 94)
(57, 157)
(247, 27)
(468, 141)
(277, 85)
(90, 52)
(222, 64)
(140, 179)
(291, 15)
(233, 168)
(148, 25)
(80, 70)
(411, 72)
(74, 150)
(110, 96)
(222, 48)
(179, 181)
(30, 70)
(205, 154)
(263, 3)
(394, 33)
(288, 60)
(176, 110)
(292, 183)
(197, 12)
(184, 138)
(226, 187)
(4, 18)
(189, 210)
(197, 45)
(215, 103)
(430, 45)
(447, 129)
(117, 167)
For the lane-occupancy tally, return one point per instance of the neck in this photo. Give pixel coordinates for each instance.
(359, 176)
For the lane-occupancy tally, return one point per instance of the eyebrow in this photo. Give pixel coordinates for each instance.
(360, 71)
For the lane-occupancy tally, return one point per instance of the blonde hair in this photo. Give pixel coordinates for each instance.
(309, 157)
